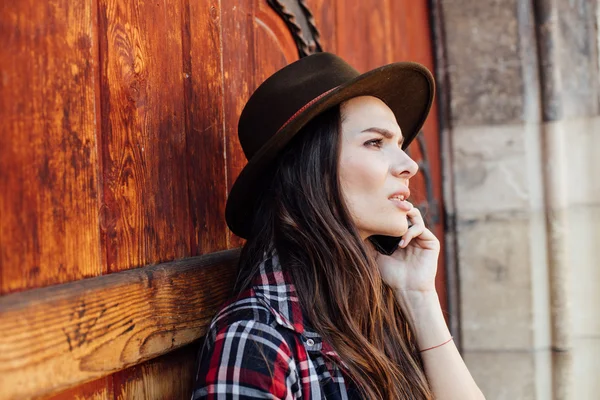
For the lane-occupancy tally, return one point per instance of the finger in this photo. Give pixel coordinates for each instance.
(414, 216)
(417, 227)
(414, 231)
(428, 240)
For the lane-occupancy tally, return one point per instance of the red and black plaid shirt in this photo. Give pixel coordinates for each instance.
(259, 346)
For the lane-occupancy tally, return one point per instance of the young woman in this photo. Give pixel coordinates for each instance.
(324, 306)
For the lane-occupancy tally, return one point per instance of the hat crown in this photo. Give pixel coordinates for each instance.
(285, 93)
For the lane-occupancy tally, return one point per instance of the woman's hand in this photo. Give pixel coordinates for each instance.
(412, 267)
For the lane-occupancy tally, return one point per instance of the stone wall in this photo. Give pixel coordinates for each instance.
(523, 145)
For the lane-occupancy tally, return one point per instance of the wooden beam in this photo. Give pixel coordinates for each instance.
(60, 336)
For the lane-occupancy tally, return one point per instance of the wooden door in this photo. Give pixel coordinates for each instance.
(118, 146)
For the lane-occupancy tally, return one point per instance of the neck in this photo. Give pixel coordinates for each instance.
(370, 248)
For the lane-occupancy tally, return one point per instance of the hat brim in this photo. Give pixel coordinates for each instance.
(407, 88)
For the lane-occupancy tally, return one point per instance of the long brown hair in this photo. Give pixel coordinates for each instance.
(303, 216)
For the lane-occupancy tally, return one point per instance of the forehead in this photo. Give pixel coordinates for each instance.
(367, 111)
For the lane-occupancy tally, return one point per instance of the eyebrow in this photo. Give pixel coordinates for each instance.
(387, 133)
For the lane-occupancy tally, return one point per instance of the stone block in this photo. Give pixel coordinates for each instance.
(583, 159)
(543, 373)
(498, 297)
(584, 239)
(586, 356)
(504, 376)
(578, 58)
(486, 43)
(497, 169)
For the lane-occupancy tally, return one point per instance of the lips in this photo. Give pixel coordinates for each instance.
(401, 195)
(399, 199)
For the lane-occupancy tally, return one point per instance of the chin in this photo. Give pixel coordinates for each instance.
(398, 229)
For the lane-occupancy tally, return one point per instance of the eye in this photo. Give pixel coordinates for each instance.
(374, 143)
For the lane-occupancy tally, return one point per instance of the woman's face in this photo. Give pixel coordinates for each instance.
(374, 170)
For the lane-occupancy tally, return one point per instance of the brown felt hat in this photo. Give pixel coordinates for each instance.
(295, 94)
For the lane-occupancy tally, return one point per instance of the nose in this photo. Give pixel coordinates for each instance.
(404, 166)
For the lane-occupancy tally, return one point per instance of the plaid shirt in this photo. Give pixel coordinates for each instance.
(259, 346)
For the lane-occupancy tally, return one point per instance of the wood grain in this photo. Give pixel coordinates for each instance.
(205, 134)
(99, 389)
(157, 89)
(48, 157)
(324, 12)
(363, 33)
(57, 337)
(274, 46)
(411, 31)
(237, 24)
(167, 377)
(273, 42)
(145, 211)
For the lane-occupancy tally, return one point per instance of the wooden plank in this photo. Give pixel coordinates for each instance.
(413, 17)
(167, 377)
(57, 337)
(325, 20)
(274, 46)
(273, 39)
(237, 24)
(205, 134)
(363, 33)
(400, 34)
(48, 156)
(99, 389)
(145, 213)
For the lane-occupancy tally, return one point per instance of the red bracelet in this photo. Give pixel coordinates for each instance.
(447, 341)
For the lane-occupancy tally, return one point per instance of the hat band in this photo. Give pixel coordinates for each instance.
(305, 107)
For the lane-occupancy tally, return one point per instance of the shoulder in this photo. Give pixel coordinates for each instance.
(246, 352)
(247, 309)
(250, 344)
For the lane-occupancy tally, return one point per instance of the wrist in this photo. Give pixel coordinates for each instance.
(425, 310)
(419, 298)
(421, 305)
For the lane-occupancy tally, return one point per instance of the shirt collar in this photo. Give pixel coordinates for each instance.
(274, 287)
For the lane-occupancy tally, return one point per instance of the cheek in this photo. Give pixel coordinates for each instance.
(361, 176)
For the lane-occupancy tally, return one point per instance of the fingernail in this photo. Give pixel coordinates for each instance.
(402, 243)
